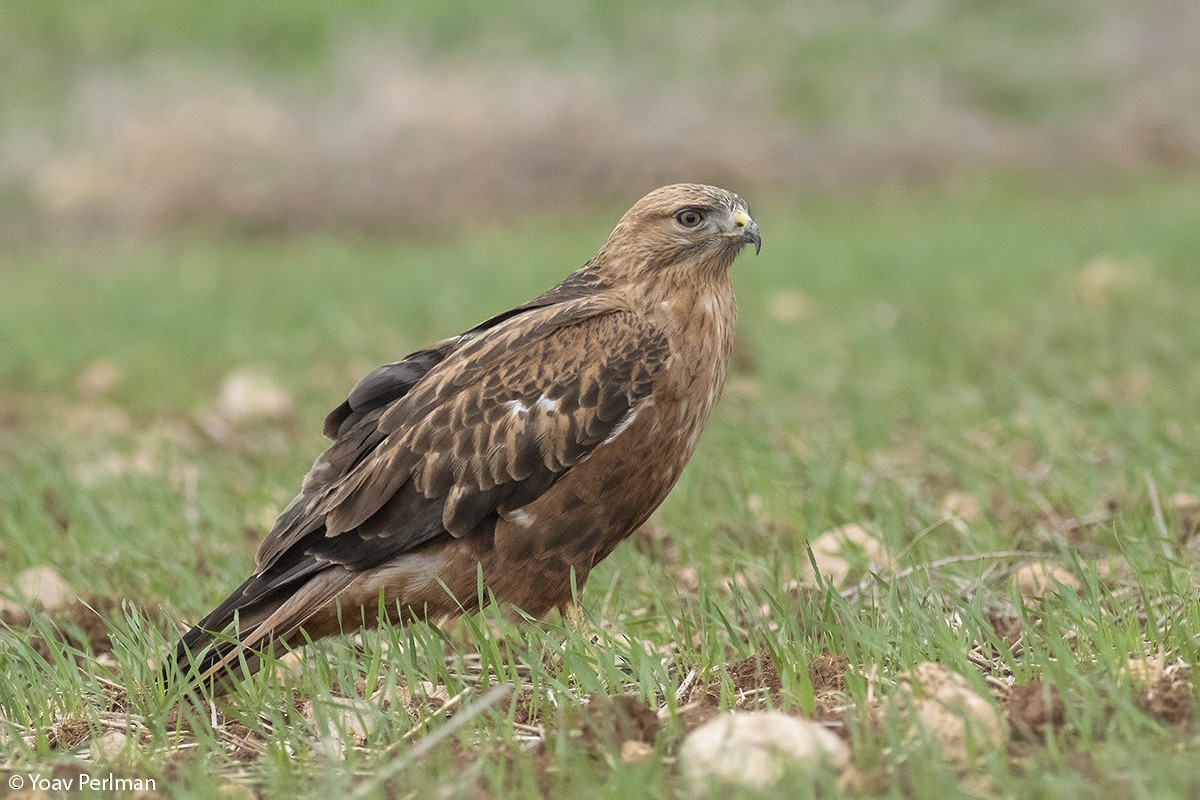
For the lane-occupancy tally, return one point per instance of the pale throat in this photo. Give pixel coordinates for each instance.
(698, 304)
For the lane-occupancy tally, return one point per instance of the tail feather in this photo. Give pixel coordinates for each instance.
(230, 640)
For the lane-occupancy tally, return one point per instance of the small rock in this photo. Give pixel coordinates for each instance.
(100, 378)
(754, 504)
(1187, 509)
(248, 396)
(235, 791)
(45, 588)
(1182, 501)
(331, 747)
(1112, 568)
(66, 184)
(791, 306)
(39, 587)
(291, 663)
(343, 723)
(1102, 281)
(423, 694)
(687, 578)
(1041, 578)
(1145, 671)
(634, 750)
(848, 552)
(961, 505)
(940, 704)
(108, 746)
(755, 749)
(1163, 691)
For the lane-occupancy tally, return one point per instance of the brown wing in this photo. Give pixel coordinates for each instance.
(485, 431)
(495, 420)
(379, 388)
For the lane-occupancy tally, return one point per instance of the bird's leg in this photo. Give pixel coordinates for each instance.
(572, 613)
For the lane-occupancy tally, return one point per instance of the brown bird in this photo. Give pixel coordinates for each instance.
(523, 450)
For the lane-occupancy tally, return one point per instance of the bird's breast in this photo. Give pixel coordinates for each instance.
(606, 496)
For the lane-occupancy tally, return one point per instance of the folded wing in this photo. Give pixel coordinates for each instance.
(443, 443)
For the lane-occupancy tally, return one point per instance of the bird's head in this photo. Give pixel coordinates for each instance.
(682, 224)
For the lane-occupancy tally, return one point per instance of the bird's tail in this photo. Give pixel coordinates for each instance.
(230, 641)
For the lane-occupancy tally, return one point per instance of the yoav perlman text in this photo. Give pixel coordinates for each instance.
(101, 783)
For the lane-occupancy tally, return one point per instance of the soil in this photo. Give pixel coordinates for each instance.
(1034, 710)
(1168, 699)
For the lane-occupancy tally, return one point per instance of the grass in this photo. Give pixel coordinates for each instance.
(1028, 348)
(833, 63)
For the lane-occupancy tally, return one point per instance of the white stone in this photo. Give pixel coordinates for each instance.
(840, 552)
(39, 587)
(941, 705)
(755, 749)
(247, 396)
(1041, 579)
(340, 726)
(108, 746)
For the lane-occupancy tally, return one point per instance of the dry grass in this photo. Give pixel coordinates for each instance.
(396, 139)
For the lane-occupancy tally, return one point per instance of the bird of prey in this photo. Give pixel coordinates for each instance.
(523, 450)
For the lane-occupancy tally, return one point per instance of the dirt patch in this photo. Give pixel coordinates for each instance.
(700, 707)
(1034, 710)
(1100, 780)
(242, 743)
(606, 723)
(1167, 697)
(758, 677)
(82, 623)
(1008, 629)
(828, 672)
(757, 685)
(523, 707)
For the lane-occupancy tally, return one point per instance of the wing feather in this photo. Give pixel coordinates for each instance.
(487, 428)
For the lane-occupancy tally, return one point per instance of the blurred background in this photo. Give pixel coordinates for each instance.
(143, 118)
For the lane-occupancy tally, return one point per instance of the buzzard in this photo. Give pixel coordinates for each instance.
(523, 450)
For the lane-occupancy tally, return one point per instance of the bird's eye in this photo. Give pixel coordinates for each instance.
(689, 218)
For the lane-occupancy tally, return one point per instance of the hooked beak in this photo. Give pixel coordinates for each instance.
(751, 234)
(745, 231)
